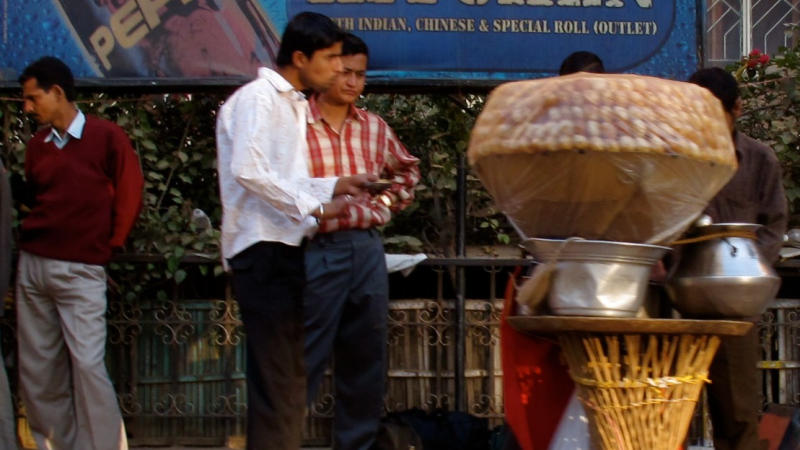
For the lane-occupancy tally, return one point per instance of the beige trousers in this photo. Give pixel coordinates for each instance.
(61, 330)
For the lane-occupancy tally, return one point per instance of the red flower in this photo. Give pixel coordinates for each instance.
(764, 59)
(755, 53)
(752, 63)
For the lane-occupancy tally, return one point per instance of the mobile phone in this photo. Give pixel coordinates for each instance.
(378, 186)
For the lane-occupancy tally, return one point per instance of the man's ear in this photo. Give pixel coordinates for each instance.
(58, 91)
(299, 59)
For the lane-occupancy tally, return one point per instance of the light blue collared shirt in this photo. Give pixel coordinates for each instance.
(75, 130)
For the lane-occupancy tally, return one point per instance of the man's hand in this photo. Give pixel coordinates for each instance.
(353, 185)
(334, 208)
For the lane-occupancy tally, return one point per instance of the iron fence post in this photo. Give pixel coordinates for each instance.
(461, 208)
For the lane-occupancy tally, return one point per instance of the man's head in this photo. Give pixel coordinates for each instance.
(350, 82)
(48, 89)
(311, 48)
(581, 62)
(723, 85)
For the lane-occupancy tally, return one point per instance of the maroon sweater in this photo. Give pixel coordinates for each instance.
(86, 195)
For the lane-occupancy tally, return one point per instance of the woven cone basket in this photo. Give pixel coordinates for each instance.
(639, 390)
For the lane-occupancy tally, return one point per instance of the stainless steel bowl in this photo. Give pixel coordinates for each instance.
(596, 278)
(724, 276)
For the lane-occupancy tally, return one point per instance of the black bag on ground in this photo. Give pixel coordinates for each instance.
(447, 430)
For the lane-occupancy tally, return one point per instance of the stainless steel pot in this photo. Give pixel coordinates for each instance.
(722, 276)
(596, 278)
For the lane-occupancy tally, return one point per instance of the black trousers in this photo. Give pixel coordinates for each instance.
(268, 280)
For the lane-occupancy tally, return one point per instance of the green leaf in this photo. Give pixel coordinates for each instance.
(180, 275)
(218, 270)
(148, 144)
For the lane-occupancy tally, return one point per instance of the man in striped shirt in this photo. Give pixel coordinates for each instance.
(346, 295)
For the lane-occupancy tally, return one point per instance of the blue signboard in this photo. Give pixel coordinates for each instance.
(208, 41)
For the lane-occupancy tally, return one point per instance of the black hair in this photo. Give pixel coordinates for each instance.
(721, 83)
(48, 72)
(353, 45)
(307, 32)
(581, 61)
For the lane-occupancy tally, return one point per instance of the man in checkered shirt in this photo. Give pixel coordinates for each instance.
(346, 295)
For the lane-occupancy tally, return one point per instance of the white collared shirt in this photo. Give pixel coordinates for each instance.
(266, 191)
(75, 130)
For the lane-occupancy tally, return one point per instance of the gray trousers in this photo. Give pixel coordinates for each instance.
(61, 329)
(345, 307)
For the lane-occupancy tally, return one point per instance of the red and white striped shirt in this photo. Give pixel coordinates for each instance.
(365, 144)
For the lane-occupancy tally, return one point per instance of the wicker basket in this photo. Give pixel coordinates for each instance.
(639, 390)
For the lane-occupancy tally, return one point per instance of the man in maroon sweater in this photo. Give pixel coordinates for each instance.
(85, 185)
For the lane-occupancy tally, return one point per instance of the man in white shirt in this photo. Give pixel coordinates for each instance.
(270, 204)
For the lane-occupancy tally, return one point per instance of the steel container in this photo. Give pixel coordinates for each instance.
(723, 276)
(596, 278)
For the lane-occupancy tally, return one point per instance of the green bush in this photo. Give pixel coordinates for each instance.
(771, 109)
(174, 137)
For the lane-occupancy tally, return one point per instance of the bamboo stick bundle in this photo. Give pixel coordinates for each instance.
(639, 390)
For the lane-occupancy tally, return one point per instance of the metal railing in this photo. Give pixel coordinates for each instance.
(733, 28)
(178, 364)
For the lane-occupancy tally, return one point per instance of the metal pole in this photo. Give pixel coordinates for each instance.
(461, 212)
(747, 26)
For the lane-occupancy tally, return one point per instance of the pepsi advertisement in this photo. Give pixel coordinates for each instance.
(135, 42)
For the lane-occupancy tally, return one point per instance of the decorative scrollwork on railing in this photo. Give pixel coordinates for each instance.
(430, 402)
(225, 311)
(433, 335)
(124, 311)
(226, 335)
(431, 313)
(129, 405)
(124, 322)
(481, 335)
(484, 406)
(396, 334)
(323, 406)
(228, 406)
(173, 323)
(226, 327)
(482, 319)
(174, 405)
(436, 401)
(398, 317)
(482, 312)
(123, 333)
